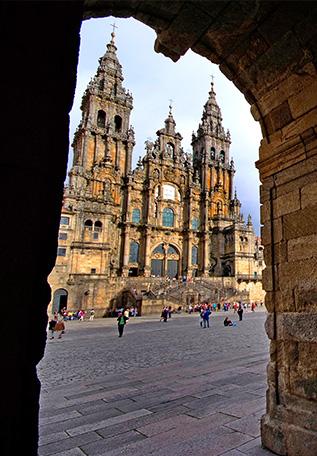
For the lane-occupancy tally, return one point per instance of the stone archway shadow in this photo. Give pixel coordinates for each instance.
(268, 50)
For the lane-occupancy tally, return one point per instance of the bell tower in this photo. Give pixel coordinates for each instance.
(104, 140)
(211, 158)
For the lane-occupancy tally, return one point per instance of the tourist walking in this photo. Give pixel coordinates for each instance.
(201, 316)
(240, 311)
(206, 315)
(164, 314)
(52, 324)
(122, 319)
(92, 314)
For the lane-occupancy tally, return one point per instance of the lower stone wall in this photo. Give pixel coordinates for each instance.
(106, 294)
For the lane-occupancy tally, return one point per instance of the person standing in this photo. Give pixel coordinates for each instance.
(206, 317)
(92, 314)
(52, 324)
(240, 311)
(122, 319)
(201, 316)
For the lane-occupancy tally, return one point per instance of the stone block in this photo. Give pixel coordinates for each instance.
(300, 327)
(248, 425)
(297, 171)
(278, 118)
(301, 442)
(267, 278)
(180, 34)
(107, 422)
(270, 326)
(68, 444)
(103, 446)
(291, 85)
(309, 195)
(306, 299)
(265, 211)
(272, 436)
(302, 247)
(297, 183)
(296, 128)
(300, 223)
(304, 101)
(298, 273)
(286, 204)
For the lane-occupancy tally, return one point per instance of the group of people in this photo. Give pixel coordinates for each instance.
(56, 325)
(77, 315)
(166, 313)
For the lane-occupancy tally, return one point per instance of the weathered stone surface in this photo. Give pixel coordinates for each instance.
(303, 247)
(286, 204)
(309, 195)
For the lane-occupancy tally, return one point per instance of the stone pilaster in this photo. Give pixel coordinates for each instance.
(288, 166)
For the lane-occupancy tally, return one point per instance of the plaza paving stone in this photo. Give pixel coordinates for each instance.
(163, 389)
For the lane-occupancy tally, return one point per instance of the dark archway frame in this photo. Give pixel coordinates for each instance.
(269, 51)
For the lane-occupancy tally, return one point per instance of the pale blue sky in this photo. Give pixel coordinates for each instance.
(154, 79)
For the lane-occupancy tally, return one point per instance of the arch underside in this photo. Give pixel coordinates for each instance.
(268, 50)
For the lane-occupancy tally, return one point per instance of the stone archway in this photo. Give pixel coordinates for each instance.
(268, 50)
(59, 300)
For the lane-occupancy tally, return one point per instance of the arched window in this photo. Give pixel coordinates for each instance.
(194, 255)
(98, 226)
(136, 216)
(212, 153)
(134, 252)
(219, 207)
(101, 119)
(118, 123)
(88, 225)
(195, 224)
(171, 250)
(222, 156)
(101, 84)
(169, 150)
(159, 249)
(168, 217)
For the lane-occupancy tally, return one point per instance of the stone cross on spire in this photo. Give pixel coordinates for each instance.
(170, 105)
(114, 26)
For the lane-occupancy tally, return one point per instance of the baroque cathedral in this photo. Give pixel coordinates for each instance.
(174, 216)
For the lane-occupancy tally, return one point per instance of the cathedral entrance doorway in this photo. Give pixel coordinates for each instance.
(165, 261)
(60, 300)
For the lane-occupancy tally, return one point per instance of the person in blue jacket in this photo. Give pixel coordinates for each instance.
(206, 315)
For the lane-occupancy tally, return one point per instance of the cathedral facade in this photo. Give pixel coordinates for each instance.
(175, 215)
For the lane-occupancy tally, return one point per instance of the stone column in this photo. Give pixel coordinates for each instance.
(126, 251)
(205, 239)
(147, 253)
(288, 169)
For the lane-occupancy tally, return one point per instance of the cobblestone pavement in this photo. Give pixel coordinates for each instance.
(163, 389)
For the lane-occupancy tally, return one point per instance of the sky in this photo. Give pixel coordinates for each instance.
(154, 80)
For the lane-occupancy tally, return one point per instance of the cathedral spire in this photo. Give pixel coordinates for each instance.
(211, 121)
(170, 122)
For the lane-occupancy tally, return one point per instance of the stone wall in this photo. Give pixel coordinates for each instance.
(269, 51)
